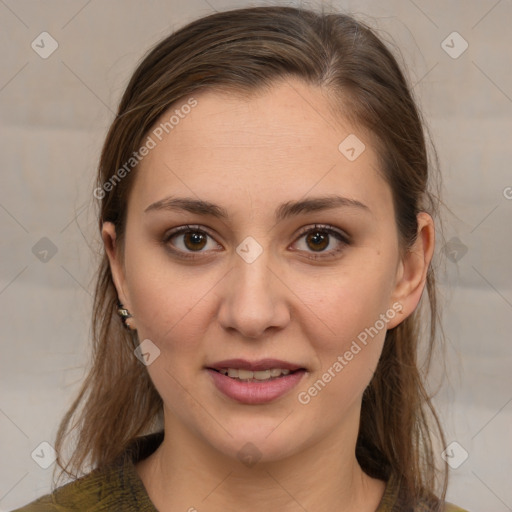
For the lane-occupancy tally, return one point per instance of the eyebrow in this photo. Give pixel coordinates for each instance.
(283, 211)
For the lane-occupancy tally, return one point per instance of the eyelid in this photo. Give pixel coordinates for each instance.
(185, 228)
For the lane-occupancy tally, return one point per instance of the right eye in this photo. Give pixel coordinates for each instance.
(188, 240)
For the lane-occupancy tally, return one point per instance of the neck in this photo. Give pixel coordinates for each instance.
(186, 473)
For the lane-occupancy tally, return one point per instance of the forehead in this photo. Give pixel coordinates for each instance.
(284, 141)
(288, 116)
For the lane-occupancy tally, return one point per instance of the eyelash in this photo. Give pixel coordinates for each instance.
(322, 228)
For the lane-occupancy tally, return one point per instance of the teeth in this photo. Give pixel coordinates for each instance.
(241, 374)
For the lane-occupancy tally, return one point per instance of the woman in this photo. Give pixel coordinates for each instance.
(268, 230)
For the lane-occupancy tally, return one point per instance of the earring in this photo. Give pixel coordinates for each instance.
(124, 314)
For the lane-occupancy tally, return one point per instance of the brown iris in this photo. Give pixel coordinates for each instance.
(194, 240)
(318, 237)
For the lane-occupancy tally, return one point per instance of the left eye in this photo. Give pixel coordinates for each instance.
(319, 238)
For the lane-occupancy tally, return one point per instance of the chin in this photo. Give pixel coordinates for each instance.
(252, 446)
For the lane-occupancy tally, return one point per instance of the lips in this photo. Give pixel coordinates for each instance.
(262, 364)
(254, 393)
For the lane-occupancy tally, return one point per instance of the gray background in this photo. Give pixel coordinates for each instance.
(54, 115)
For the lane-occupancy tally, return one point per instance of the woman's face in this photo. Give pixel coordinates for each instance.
(253, 279)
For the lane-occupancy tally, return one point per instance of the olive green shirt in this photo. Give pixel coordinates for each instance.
(118, 488)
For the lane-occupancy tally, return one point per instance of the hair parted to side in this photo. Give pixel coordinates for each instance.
(244, 50)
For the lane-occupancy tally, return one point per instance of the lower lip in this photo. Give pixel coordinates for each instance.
(255, 392)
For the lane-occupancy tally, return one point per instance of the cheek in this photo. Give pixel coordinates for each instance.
(348, 352)
(170, 305)
(351, 314)
(350, 301)
(351, 347)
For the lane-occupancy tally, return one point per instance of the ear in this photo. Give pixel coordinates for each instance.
(413, 268)
(114, 254)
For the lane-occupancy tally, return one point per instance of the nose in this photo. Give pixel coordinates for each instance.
(253, 298)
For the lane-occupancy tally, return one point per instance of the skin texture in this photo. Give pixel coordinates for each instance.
(250, 154)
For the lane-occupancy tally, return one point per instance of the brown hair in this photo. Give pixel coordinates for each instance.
(245, 50)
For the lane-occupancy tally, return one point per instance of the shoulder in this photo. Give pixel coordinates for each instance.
(85, 493)
(43, 504)
(435, 505)
(396, 499)
(450, 507)
(113, 487)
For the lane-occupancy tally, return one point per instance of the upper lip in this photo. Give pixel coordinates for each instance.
(262, 364)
